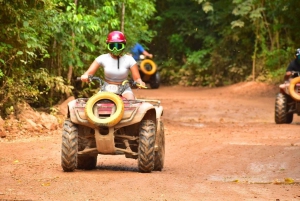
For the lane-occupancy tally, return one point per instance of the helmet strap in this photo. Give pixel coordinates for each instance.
(118, 62)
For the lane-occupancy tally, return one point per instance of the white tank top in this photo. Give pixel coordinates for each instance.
(110, 65)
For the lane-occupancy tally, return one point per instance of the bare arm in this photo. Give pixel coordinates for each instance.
(287, 75)
(147, 54)
(91, 71)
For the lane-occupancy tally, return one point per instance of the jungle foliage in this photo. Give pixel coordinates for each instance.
(220, 42)
(46, 44)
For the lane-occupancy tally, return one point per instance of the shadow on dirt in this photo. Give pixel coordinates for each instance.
(117, 168)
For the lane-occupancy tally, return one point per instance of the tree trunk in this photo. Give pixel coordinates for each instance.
(123, 17)
(70, 71)
(255, 51)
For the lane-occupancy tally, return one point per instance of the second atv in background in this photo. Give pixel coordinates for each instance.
(287, 102)
(149, 72)
(147, 67)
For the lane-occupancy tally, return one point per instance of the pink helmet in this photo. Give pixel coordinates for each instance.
(116, 37)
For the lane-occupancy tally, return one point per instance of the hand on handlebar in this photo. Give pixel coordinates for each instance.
(139, 83)
(89, 78)
(85, 78)
(141, 86)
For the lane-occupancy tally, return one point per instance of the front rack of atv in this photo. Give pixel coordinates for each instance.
(106, 108)
(82, 101)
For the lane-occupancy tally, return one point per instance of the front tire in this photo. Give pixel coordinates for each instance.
(159, 157)
(155, 81)
(281, 110)
(146, 146)
(69, 149)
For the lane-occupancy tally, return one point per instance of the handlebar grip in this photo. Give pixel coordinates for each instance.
(141, 86)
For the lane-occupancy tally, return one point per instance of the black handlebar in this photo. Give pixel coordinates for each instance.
(131, 82)
(297, 73)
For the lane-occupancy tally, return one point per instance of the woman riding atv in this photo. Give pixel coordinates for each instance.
(116, 64)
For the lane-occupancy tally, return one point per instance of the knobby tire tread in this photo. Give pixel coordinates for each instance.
(281, 109)
(160, 153)
(146, 146)
(69, 148)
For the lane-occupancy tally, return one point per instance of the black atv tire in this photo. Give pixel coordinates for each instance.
(155, 81)
(69, 149)
(159, 156)
(86, 162)
(146, 146)
(281, 109)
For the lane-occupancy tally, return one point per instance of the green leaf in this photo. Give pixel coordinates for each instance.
(237, 23)
(200, 1)
(256, 13)
(25, 24)
(207, 6)
(69, 8)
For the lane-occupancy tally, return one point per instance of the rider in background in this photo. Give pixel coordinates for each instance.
(137, 50)
(293, 66)
(116, 64)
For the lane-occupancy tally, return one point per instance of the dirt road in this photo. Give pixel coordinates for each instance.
(221, 144)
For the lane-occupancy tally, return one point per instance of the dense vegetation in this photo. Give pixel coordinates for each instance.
(45, 44)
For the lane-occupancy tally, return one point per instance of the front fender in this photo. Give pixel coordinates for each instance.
(145, 111)
(71, 111)
(77, 114)
(159, 111)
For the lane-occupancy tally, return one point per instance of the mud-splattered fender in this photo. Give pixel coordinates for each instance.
(71, 111)
(145, 111)
(76, 115)
(159, 111)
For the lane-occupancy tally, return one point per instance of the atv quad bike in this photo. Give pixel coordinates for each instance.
(287, 101)
(149, 72)
(107, 123)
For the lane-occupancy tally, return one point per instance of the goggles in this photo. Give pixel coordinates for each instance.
(115, 46)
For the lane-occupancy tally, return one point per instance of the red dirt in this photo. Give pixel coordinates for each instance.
(221, 144)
